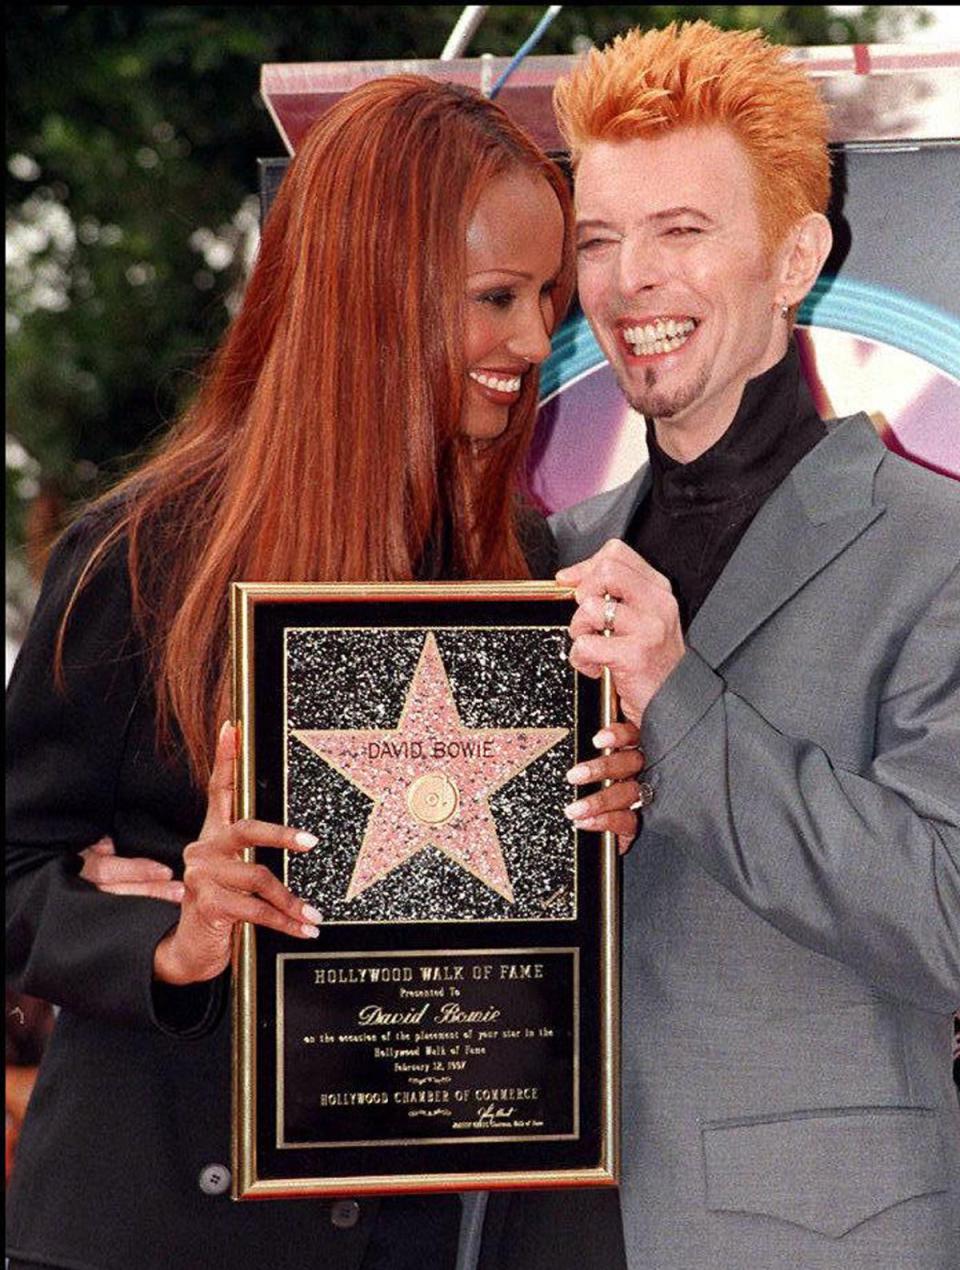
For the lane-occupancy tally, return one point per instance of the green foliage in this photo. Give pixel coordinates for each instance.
(132, 138)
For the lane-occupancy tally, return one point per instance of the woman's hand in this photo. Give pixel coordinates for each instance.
(123, 875)
(610, 809)
(222, 889)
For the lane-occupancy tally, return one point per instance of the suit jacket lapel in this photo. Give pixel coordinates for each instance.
(584, 528)
(823, 505)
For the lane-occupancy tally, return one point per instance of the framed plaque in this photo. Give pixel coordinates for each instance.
(455, 1025)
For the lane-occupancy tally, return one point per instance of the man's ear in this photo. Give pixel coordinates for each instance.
(801, 256)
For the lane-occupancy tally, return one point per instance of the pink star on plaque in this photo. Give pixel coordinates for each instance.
(430, 779)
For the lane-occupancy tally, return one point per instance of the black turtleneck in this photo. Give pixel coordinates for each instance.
(697, 512)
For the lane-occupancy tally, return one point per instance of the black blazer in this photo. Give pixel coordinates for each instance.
(126, 1141)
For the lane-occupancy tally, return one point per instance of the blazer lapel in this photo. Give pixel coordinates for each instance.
(588, 525)
(822, 506)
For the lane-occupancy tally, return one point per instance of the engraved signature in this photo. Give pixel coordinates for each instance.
(492, 1114)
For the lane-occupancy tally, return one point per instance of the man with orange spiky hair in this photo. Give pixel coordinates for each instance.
(791, 949)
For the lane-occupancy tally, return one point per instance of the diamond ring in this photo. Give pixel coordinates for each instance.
(609, 614)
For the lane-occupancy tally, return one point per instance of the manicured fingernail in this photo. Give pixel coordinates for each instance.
(304, 839)
(575, 810)
(310, 932)
(223, 727)
(588, 822)
(311, 914)
(577, 775)
(603, 739)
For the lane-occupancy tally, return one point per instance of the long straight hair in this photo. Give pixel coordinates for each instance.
(324, 443)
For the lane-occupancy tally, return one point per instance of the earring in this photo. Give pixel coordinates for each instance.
(784, 311)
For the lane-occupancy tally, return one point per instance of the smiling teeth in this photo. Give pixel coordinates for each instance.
(661, 336)
(498, 385)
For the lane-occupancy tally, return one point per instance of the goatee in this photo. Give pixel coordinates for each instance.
(656, 401)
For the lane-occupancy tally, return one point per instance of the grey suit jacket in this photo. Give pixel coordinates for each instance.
(791, 954)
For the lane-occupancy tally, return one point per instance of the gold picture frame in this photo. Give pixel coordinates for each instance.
(422, 731)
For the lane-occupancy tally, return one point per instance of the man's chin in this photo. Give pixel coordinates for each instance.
(656, 405)
(654, 400)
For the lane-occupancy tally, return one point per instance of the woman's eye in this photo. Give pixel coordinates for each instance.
(499, 299)
(684, 231)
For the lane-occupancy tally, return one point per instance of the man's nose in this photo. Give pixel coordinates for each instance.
(642, 265)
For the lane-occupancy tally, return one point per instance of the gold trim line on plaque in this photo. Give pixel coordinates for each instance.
(425, 1183)
(277, 592)
(280, 1092)
(243, 991)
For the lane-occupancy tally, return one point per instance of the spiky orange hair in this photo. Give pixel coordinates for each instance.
(695, 75)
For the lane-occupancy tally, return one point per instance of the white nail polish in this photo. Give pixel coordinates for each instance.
(311, 932)
(304, 839)
(311, 914)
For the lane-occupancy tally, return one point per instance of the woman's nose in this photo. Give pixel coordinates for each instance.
(532, 338)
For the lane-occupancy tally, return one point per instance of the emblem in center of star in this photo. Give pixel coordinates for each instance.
(430, 779)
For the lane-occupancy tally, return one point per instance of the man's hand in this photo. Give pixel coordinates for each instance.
(645, 643)
(123, 875)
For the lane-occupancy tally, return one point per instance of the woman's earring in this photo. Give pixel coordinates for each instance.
(784, 311)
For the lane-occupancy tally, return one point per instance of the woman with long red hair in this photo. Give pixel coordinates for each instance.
(364, 420)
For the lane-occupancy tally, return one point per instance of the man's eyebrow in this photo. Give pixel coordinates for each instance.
(594, 224)
(668, 213)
